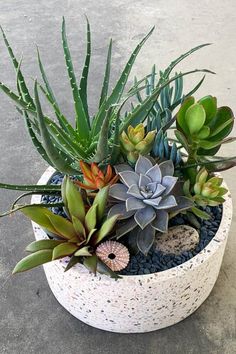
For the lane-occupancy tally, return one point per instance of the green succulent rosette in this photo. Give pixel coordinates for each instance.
(202, 127)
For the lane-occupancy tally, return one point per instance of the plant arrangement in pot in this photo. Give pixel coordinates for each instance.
(124, 198)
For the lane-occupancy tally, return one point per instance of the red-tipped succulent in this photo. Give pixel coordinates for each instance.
(94, 178)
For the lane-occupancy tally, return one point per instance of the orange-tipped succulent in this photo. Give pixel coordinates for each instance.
(94, 178)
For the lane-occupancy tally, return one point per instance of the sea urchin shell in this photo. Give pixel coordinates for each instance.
(113, 254)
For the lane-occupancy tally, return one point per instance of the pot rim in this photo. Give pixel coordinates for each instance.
(177, 271)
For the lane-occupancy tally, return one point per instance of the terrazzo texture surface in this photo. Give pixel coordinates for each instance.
(31, 319)
(139, 303)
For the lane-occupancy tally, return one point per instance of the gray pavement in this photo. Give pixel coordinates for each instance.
(31, 320)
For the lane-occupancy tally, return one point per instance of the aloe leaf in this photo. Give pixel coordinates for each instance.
(190, 93)
(106, 79)
(64, 141)
(115, 151)
(51, 97)
(175, 62)
(39, 147)
(31, 193)
(17, 99)
(61, 118)
(43, 245)
(20, 207)
(23, 86)
(119, 87)
(81, 118)
(52, 152)
(102, 145)
(85, 72)
(33, 260)
(35, 188)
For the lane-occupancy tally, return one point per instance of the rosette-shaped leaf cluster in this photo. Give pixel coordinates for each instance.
(206, 191)
(76, 237)
(146, 196)
(94, 178)
(202, 127)
(136, 142)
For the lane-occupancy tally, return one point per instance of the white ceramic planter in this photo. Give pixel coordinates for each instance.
(140, 303)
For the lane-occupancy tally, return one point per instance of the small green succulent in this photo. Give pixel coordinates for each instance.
(76, 237)
(206, 190)
(136, 142)
(202, 127)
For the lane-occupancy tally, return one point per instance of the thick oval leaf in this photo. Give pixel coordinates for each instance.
(42, 245)
(63, 250)
(207, 145)
(204, 132)
(74, 200)
(181, 114)
(33, 260)
(223, 115)
(209, 104)
(195, 118)
(91, 218)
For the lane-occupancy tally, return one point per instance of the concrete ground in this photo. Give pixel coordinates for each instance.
(31, 320)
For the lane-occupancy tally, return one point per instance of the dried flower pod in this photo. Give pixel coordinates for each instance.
(113, 254)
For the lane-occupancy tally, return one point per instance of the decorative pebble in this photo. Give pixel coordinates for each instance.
(177, 240)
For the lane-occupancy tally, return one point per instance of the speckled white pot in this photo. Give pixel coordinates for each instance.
(140, 303)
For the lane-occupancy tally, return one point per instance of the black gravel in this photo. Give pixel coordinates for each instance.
(156, 261)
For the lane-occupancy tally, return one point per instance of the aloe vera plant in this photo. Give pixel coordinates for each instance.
(76, 237)
(92, 139)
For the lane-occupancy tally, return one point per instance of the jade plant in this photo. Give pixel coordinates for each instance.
(125, 176)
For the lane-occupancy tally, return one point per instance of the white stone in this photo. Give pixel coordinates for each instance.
(139, 303)
(177, 240)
